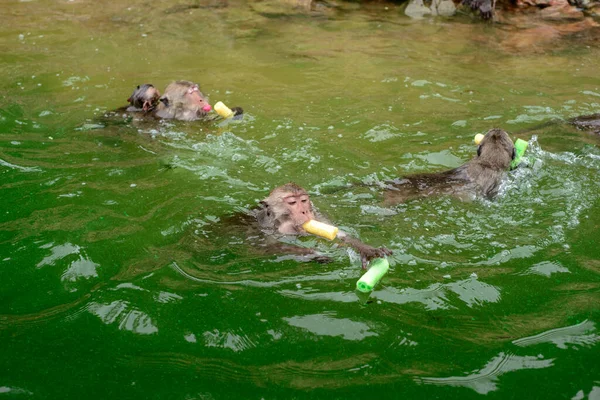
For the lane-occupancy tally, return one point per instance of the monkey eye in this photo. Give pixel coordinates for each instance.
(291, 203)
(304, 200)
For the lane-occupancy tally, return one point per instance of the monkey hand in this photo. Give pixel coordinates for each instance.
(367, 253)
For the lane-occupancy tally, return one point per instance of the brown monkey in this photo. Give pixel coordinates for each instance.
(288, 207)
(144, 98)
(587, 123)
(480, 176)
(485, 7)
(183, 100)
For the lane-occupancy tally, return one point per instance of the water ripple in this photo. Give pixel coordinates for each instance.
(579, 335)
(126, 317)
(326, 325)
(485, 380)
(471, 291)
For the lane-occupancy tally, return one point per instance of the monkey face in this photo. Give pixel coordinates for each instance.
(144, 97)
(195, 97)
(296, 210)
(286, 209)
(300, 208)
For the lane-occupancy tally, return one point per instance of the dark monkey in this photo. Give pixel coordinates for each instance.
(485, 7)
(284, 212)
(587, 123)
(144, 98)
(481, 176)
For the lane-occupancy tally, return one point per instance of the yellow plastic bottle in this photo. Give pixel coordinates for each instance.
(321, 229)
(223, 110)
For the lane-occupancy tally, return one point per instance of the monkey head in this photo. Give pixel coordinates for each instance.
(144, 97)
(285, 209)
(183, 100)
(496, 150)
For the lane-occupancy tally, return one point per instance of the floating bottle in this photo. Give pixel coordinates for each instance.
(321, 229)
(379, 267)
(223, 110)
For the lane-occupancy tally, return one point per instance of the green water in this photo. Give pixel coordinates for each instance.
(118, 278)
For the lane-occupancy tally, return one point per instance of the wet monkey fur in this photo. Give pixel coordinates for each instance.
(481, 176)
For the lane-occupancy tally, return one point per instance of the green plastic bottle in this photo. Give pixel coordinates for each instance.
(520, 147)
(379, 267)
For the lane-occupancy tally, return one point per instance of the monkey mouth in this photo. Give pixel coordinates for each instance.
(148, 105)
(299, 224)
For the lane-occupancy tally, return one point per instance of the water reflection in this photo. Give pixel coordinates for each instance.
(546, 268)
(18, 167)
(229, 340)
(329, 325)
(579, 335)
(594, 394)
(124, 315)
(486, 379)
(436, 296)
(83, 267)
(15, 390)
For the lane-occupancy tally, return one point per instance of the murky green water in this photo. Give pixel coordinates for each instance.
(117, 279)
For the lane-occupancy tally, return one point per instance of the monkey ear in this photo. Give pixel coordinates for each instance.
(264, 203)
(478, 150)
(164, 100)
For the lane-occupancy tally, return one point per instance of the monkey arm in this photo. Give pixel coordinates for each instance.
(367, 253)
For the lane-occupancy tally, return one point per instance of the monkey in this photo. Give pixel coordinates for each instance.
(587, 123)
(485, 7)
(481, 176)
(283, 212)
(144, 98)
(182, 100)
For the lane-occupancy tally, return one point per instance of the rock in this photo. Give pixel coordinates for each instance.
(444, 8)
(416, 9)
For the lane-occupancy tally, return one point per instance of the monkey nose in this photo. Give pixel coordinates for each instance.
(207, 108)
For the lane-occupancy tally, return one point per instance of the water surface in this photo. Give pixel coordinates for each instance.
(118, 278)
